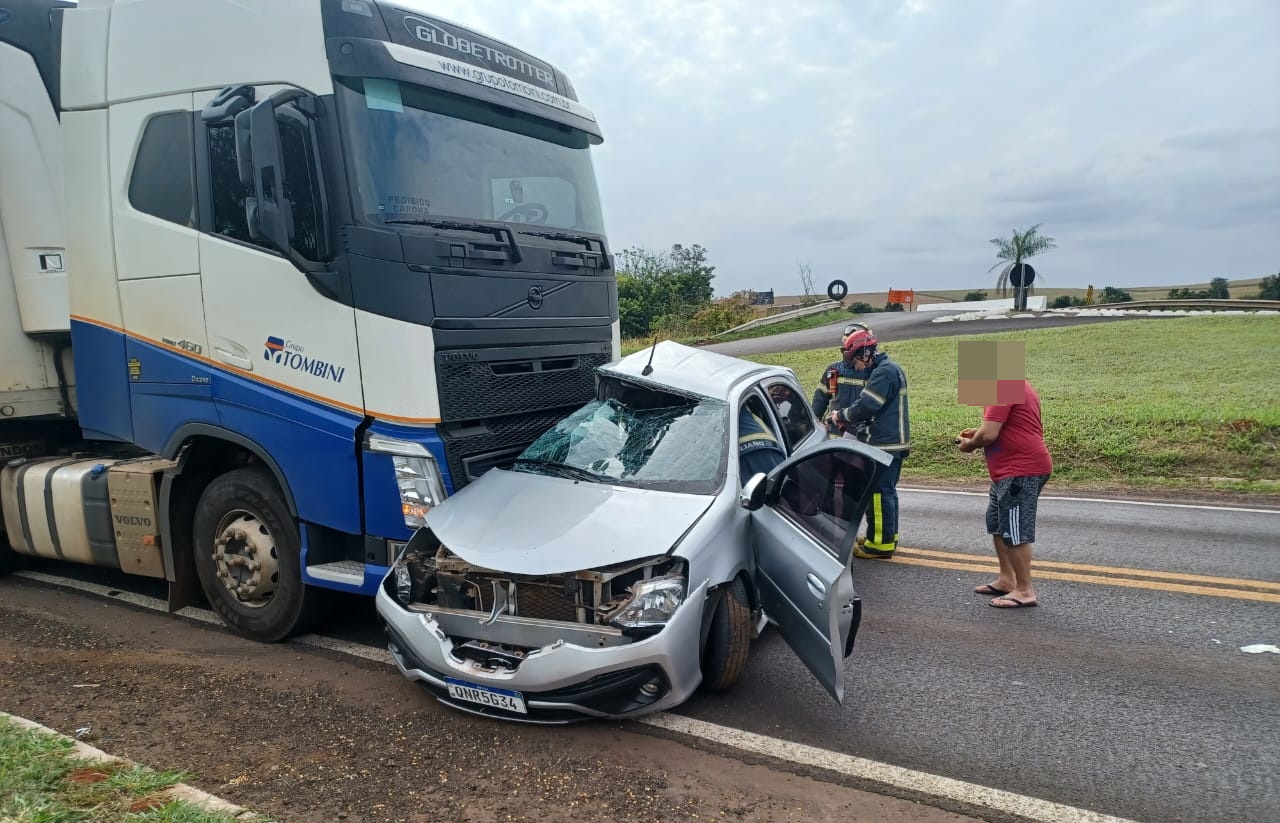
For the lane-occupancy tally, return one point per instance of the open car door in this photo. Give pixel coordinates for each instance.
(805, 516)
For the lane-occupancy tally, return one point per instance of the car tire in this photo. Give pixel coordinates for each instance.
(248, 501)
(724, 658)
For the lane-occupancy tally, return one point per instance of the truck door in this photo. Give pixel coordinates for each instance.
(805, 517)
(287, 372)
(158, 264)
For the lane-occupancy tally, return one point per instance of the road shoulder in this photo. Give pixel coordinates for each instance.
(306, 735)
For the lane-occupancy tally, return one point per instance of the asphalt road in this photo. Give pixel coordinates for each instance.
(1136, 702)
(1125, 692)
(891, 327)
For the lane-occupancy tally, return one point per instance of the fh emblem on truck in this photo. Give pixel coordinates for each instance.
(291, 355)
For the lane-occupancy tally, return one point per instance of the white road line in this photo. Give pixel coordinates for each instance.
(153, 603)
(378, 654)
(930, 784)
(1031, 808)
(1201, 506)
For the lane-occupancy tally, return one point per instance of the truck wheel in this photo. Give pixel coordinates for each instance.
(725, 657)
(248, 557)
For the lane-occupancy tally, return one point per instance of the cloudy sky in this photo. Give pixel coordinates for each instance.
(884, 141)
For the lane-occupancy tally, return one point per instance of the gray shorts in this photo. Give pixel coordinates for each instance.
(1011, 512)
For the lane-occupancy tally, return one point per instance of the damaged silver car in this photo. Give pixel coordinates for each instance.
(633, 552)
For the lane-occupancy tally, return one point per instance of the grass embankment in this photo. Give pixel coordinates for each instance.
(1180, 403)
(812, 321)
(42, 781)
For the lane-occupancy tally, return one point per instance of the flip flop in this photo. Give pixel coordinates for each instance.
(987, 588)
(1018, 604)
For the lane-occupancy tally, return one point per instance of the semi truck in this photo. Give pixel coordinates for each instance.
(275, 279)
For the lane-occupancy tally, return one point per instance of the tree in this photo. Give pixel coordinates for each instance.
(672, 284)
(1113, 295)
(1270, 288)
(1021, 245)
(1218, 289)
(975, 295)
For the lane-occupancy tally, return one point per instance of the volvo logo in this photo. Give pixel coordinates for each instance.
(535, 297)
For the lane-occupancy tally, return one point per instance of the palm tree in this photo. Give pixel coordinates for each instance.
(1015, 249)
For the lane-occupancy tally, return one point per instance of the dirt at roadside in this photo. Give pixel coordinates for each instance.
(309, 737)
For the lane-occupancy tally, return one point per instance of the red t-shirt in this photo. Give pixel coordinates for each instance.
(1019, 450)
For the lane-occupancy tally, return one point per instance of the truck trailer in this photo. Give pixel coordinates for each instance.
(275, 279)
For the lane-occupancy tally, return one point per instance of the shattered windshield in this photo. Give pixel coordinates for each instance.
(669, 448)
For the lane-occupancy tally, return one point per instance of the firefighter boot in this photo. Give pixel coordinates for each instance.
(873, 552)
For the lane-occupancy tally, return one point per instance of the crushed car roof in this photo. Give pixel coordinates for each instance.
(688, 369)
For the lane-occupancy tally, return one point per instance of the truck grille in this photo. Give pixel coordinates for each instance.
(471, 449)
(477, 389)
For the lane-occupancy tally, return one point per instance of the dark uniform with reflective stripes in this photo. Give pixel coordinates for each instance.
(883, 402)
(758, 448)
(841, 384)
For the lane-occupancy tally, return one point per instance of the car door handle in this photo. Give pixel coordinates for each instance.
(816, 585)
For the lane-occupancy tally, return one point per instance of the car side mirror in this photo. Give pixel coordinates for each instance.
(752, 496)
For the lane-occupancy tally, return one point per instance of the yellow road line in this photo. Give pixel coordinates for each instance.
(1239, 594)
(1117, 570)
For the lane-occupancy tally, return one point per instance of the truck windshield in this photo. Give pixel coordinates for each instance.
(423, 154)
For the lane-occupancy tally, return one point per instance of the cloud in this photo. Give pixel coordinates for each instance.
(1142, 135)
(826, 229)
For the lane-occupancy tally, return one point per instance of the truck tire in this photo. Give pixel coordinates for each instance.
(724, 658)
(248, 557)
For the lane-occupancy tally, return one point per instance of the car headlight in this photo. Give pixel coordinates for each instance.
(417, 476)
(652, 603)
(404, 583)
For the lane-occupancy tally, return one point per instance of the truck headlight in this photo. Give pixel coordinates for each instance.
(417, 476)
(652, 603)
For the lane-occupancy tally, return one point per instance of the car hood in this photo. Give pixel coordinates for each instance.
(526, 523)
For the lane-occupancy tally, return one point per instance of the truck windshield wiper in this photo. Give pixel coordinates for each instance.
(568, 237)
(500, 232)
(558, 468)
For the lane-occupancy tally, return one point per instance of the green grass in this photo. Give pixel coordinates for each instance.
(1141, 402)
(42, 781)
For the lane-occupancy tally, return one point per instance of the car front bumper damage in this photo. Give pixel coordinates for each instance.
(577, 672)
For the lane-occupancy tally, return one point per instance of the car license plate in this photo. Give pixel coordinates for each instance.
(486, 696)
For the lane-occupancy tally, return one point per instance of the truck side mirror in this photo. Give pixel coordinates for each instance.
(267, 210)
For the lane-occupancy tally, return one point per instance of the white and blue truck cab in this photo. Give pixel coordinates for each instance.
(275, 278)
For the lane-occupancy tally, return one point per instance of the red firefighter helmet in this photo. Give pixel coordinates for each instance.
(858, 339)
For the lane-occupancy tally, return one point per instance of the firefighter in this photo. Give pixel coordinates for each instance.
(882, 405)
(758, 447)
(841, 383)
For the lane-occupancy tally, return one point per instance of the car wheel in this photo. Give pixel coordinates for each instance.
(724, 658)
(248, 557)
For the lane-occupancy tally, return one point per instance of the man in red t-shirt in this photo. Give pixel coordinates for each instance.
(1012, 438)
